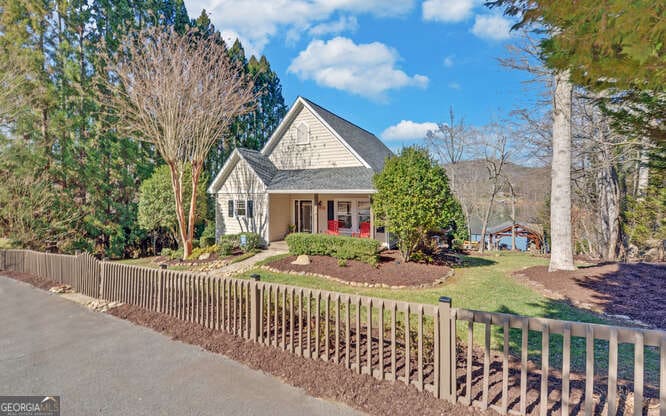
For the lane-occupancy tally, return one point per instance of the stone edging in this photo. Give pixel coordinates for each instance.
(359, 284)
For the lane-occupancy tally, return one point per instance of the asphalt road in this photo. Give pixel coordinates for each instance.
(102, 365)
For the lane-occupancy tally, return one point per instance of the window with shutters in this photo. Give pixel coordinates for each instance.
(230, 209)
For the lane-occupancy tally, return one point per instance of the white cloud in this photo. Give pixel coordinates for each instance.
(408, 130)
(448, 61)
(251, 48)
(366, 69)
(492, 27)
(343, 24)
(454, 85)
(447, 10)
(258, 21)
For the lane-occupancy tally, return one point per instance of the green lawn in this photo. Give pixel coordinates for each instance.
(487, 284)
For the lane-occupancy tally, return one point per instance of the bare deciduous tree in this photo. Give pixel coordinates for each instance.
(496, 154)
(179, 92)
(450, 143)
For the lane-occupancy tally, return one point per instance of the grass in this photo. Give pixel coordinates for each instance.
(486, 284)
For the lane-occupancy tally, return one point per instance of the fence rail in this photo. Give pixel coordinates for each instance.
(535, 369)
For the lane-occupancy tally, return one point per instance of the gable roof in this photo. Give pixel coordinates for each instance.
(262, 166)
(365, 146)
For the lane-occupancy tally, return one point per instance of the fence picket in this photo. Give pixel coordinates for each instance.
(486, 367)
(589, 370)
(545, 355)
(566, 365)
(394, 352)
(505, 368)
(470, 357)
(639, 352)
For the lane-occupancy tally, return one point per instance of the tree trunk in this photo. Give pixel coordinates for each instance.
(196, 174)
(484, 225)
(177, 185)
(643, 171)
(561, 256)
(608, 191)
(513, 222)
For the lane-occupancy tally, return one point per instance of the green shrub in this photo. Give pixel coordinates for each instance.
(172, 254)
(252, 242)
(197, 252)
(342, 248)
(227, 244)
(207, 237)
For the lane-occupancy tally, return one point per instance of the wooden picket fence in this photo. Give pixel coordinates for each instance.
(431, 347)
(81, 272)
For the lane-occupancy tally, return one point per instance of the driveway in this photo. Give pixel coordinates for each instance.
(101, 365)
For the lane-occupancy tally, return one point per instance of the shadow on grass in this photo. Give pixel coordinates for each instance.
(471, 261)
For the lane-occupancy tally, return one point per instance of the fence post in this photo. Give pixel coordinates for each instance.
(446, 367)
(161, 288)
(255, 301)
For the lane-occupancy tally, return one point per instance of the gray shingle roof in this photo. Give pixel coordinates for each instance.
(261, 165)
(366, 144)
(323, 179)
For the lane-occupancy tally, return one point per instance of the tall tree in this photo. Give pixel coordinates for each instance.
(531, 12)
(561, 254)
(180, 93)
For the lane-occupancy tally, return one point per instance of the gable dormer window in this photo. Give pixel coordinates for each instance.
(302, 134)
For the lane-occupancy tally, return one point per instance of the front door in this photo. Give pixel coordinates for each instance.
(304, 216)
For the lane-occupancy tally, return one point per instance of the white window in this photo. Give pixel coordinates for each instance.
(302, 134)
(240, 208)
(344, 214)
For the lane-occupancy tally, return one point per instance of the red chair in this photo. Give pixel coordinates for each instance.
(333, 227)
(364, 230)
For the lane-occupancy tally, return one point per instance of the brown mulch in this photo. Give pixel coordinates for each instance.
(635, 290)
(391, 271)
(33, 280)
(318, 378)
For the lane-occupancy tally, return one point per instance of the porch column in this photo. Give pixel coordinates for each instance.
(372, 222)
(315, 212)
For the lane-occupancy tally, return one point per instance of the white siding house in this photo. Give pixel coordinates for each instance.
(314, 175)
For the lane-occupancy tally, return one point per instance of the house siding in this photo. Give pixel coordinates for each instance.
(279, 217)
(324, 150)
(242, 184)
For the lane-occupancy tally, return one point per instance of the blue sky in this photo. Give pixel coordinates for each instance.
(393, 67)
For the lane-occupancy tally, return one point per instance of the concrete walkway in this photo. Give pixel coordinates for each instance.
(248, 264)
(102, 365)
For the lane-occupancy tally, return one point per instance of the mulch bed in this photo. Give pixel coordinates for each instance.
(33, 280)
(635, 290)
(391, 271)
(318, 378)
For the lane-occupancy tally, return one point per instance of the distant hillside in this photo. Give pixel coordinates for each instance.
(531, 184)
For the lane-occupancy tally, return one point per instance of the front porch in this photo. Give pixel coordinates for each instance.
(348, 214)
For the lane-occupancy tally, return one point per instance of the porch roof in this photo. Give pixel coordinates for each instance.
(350, 179)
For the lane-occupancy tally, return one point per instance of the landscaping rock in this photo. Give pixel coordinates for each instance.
(61, 289)
(301, 260)
(204, 256)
